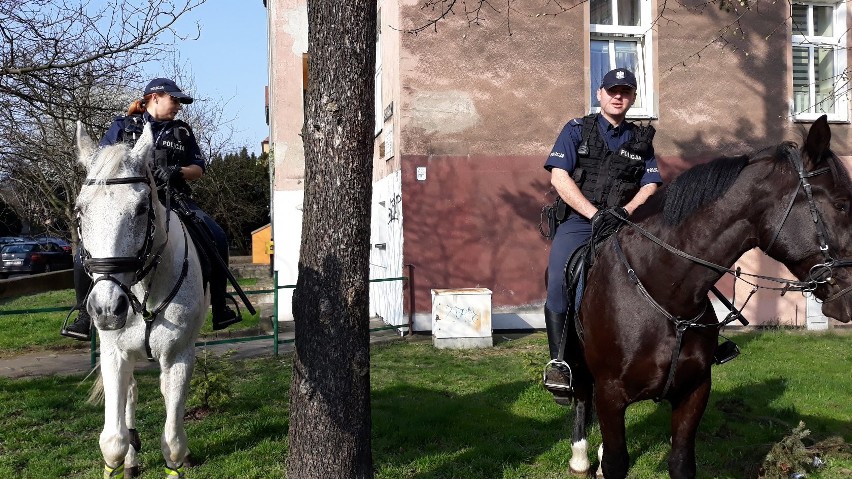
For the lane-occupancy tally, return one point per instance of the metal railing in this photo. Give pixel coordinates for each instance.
(93, 347)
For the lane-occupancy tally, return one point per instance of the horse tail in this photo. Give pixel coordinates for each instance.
(96, 392)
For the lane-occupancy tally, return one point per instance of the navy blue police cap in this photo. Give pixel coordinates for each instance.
(164, 85)
(618, 77)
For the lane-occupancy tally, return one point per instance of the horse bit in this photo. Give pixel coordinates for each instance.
(145, 262)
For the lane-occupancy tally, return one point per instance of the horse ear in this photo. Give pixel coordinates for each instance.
(817, 142)
(143, 144)
(85, 145)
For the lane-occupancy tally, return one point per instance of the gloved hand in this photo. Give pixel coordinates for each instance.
(643, 137)
(606, 222)
(168, 175)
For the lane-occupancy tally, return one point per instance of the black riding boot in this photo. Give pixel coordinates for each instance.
(81, 328)
(223, 316)
(557, 375)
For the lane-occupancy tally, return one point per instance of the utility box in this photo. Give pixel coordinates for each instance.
(816, 321)
(461, 318)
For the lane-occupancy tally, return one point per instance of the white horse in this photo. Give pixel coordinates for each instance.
(148, 298)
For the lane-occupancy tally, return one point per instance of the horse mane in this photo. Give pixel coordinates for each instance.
(700, 185)
(108, 162)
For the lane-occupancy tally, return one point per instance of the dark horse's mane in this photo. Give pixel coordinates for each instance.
(704, 183)
(700, 185)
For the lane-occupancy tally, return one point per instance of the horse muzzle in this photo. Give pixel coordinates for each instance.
(108, 306)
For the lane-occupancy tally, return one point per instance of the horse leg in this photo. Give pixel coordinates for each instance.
(583, 413)
(174, 385)
(686, 415)
(131, 460)
(115, 438)
(611, 409)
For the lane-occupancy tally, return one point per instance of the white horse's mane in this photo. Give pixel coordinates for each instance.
(112, 161)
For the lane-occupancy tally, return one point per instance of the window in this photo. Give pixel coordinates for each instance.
(620, 37)
(820, 83)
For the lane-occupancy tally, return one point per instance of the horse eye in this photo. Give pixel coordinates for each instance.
(842, 206)
(142, 209)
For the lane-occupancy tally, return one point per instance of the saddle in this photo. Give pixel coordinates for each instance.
(576, 270)
(200, 235)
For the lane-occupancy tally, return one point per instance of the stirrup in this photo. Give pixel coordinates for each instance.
(565, 370)
(725, 351)
(72, 334)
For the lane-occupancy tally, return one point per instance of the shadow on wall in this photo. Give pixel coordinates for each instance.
(473, 222)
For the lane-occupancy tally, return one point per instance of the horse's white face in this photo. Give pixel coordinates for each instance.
(114, 219)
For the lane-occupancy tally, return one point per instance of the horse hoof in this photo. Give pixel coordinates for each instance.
(131, 472)
(574, 473)
(191, 460)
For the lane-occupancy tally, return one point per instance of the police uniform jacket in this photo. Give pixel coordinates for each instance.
(564, 152)
(174, 142)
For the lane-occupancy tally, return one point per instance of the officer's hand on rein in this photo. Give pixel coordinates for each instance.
(605, 222)
(168, 175)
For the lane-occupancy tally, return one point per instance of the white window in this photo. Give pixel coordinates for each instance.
(820, 83)
(379, 110)
(620, 37)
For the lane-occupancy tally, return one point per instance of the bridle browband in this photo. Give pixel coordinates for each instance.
(145, 261)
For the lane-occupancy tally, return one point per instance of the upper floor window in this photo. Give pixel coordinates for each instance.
(819, 61)
(620, 37)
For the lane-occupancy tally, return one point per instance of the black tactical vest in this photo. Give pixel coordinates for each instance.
(607, 178)
(170, 148)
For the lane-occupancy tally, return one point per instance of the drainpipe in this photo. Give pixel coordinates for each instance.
(410, 299)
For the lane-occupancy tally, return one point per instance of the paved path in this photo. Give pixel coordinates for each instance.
(50, 363)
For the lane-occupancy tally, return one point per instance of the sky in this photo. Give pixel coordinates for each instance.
(229, 62)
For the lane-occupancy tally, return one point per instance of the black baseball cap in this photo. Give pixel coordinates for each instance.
(164, 85)
(619, 76)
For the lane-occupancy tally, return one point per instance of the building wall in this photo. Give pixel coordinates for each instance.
(475, 105)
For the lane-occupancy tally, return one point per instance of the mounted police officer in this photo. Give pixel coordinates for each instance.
(178, 159)
(603, 168)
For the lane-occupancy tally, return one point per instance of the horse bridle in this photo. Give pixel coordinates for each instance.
(108, 266)
(819, 273)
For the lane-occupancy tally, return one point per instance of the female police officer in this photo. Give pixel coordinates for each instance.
(179, 158)
(602, 167)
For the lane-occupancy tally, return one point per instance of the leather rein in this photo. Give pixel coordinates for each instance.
(819, 273)
(144, 263)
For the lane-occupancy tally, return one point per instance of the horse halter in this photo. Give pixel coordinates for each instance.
(822, 272)
(107, 266)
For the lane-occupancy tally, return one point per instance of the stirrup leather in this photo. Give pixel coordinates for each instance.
(563, 367)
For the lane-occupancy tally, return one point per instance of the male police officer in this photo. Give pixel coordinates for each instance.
(178, 158)
(602, 167)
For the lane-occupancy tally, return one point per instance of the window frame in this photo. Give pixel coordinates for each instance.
(839, 46)
(642, 34)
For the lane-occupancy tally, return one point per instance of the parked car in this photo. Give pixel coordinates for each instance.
(4, 240)
(49, 239)
(29, 257)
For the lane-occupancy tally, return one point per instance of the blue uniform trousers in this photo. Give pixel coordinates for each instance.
(570, 235)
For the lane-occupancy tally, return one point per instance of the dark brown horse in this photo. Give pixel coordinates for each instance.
(792, 203)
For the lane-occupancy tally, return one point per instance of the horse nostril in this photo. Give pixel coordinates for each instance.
(121, 305)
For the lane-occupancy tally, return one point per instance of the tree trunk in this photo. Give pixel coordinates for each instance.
(330, 421)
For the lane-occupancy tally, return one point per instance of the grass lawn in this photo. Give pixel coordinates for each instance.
(456, 414)
(40, 331)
